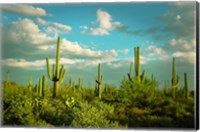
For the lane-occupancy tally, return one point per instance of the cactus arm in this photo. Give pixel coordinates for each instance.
(99, 72)
(61, 71)
(58, 58)
(40, 87)
(130, 72)
(48, 69)
(62, 76)
(138, 60)
(135, 60)
(43, 84)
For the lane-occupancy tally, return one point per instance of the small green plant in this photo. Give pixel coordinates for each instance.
(70, 102)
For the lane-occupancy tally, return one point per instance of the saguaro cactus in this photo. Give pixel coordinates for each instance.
(58, 75)
(186, 86)
(137, 62)
(42, 86)
(99, 81)
(175, 78)
(140, 78)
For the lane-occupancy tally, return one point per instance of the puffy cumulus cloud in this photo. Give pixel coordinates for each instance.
(41, 21)
(183, 49)
(22, 9)
(180, 19)
(104, 19)
(182, 44)
(53, 27)
(25, 32)
(37, 64)
(24, 39)
(22, 63)
(189, 57)
(103, 26)
(153, 50)
(76, 50)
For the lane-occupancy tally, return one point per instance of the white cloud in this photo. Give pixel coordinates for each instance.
(74, 48)
(190, 57)
(104, 19)
(183, 49)
(26, 32)
(62, 27)
(42, 21)
(124, 51)
(54, 27)
(22, 63)
(178, 17)
(104, 24)
(182, 44)
(154, 51)
(24, 10)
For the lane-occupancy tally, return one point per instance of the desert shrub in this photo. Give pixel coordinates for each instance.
(93, 116)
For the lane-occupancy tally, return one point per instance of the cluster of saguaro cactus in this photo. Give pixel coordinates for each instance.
(140, 78)
(99, 81)
(58, 75)
(175, 78)
(41, 87)
(186, 93)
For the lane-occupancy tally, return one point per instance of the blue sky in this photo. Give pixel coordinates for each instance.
(95, 33)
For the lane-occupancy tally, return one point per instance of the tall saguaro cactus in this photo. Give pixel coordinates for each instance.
(58, 74)
(99, 81)
(186, 86)
(42, 86)
(175, 78)
(137, 62)
(140, 78)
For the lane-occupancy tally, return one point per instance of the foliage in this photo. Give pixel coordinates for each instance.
(138, 102)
